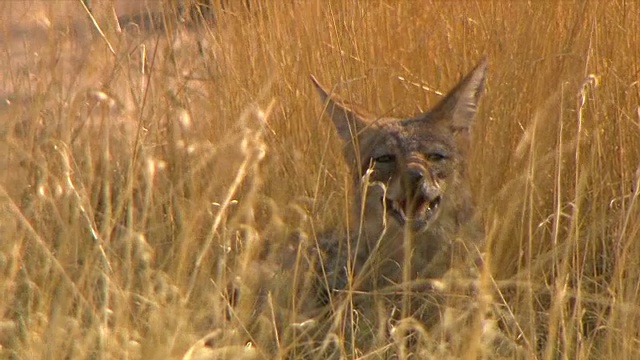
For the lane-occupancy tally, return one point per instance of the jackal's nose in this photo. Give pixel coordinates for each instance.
(415, 175)
(420, 186)
(416, 199)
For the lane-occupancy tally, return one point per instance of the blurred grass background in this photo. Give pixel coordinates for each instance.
(146, 166)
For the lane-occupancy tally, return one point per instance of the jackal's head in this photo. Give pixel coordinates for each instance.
(415, 165)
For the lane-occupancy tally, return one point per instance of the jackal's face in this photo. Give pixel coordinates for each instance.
(413, 168)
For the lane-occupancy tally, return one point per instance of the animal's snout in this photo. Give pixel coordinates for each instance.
(419, 184)
(415, 174)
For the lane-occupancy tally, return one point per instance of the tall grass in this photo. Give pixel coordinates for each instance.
(152, 174)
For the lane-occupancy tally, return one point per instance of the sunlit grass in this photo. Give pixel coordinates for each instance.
(141, 185)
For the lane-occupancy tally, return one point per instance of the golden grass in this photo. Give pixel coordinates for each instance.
(138, 183)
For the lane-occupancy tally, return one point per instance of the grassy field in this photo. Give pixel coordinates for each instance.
(146, 168)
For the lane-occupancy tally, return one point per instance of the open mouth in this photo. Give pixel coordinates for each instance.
(419, 211)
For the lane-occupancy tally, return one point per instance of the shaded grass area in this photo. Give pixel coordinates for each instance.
(147, 169)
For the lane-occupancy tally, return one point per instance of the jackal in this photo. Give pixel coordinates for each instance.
(413, 222)
(413, 209)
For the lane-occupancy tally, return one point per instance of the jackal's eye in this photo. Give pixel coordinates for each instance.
(387, 158)
(435, 157)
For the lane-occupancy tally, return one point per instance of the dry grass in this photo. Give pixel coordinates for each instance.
(144, 171)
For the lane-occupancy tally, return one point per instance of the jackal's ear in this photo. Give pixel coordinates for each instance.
(349, 119)
(460, 105)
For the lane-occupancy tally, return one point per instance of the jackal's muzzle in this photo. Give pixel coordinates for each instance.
(414, 198)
